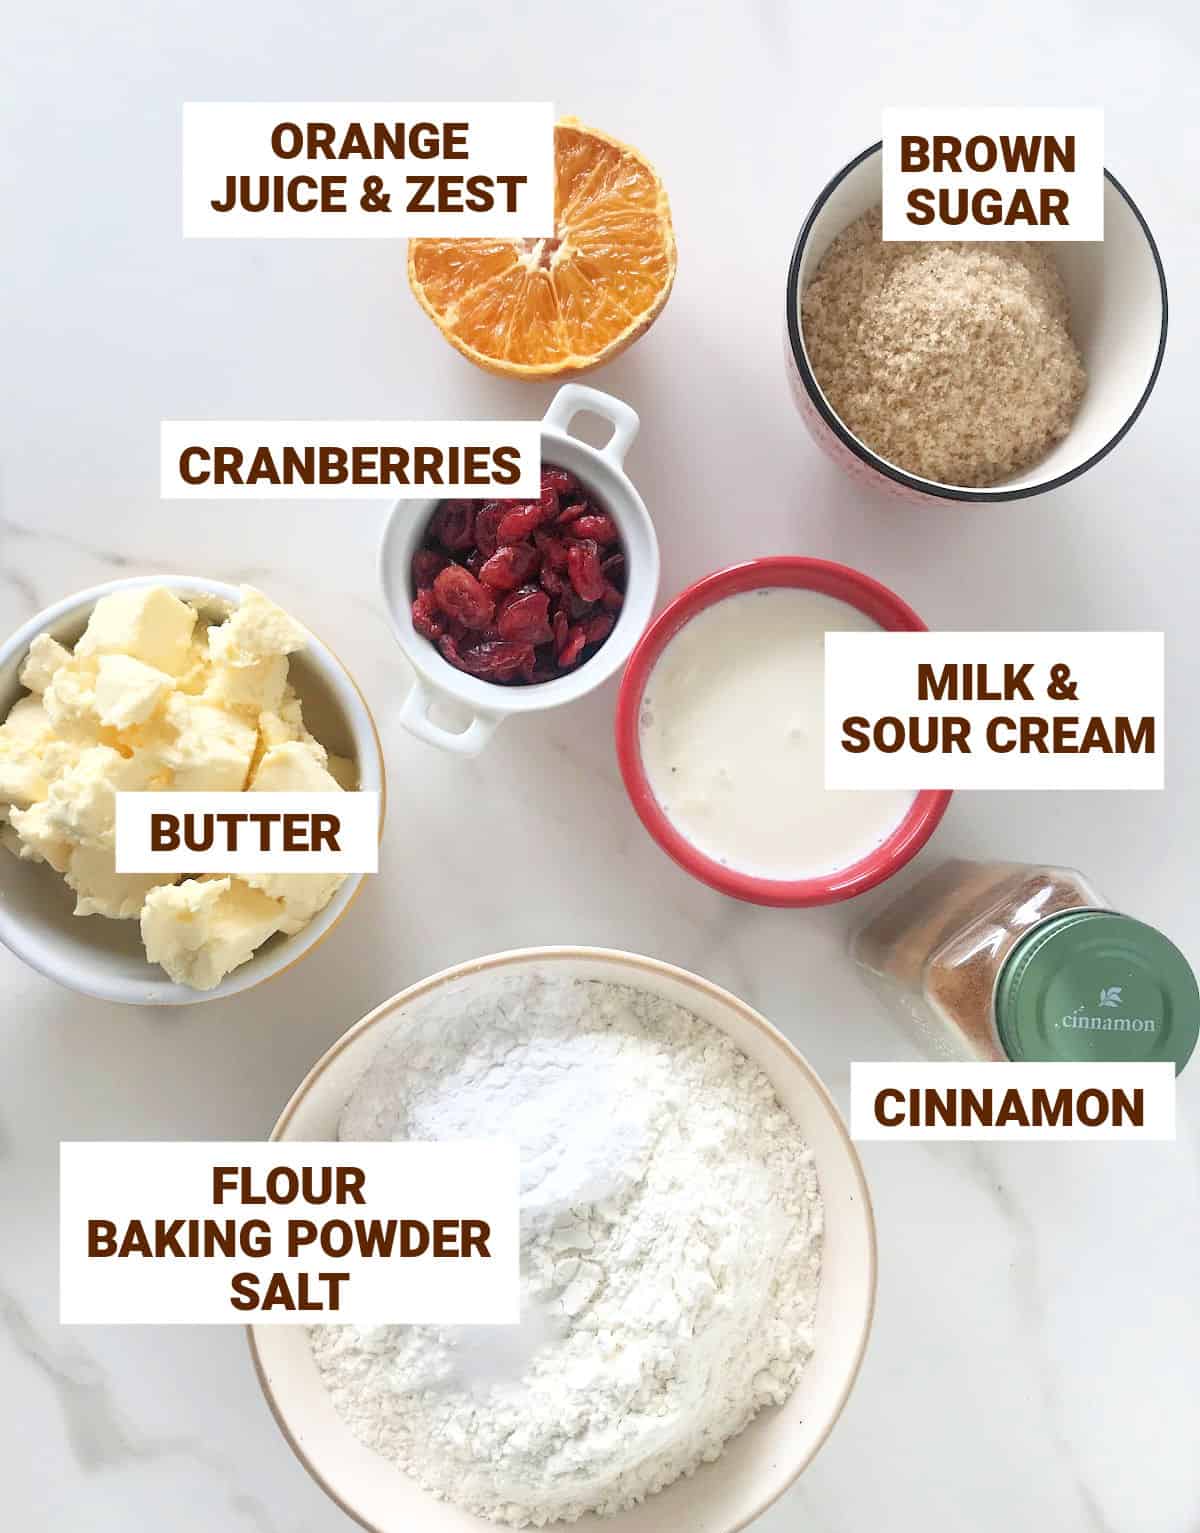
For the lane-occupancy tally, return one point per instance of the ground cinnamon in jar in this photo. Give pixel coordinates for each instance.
(939, 949)
(900, 939)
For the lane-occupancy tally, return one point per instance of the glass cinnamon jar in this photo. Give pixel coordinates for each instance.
(1004, 960)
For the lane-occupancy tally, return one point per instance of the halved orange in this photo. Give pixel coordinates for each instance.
(544, 308)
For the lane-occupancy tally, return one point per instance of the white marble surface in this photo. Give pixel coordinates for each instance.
(1035, 1356)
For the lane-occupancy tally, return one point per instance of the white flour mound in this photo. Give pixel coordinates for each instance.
(671, 1244)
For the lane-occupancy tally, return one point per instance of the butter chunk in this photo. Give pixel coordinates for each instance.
(344, 772)
(44, 658)
(102, 891)
(28, 724)
(150, 624)
(128, 691)
(256, 689)
(204, 928)
(197, 670)
(41, 840)
(299, 895)
(284, 725)
(24, 738)
(292, 768)
(21, 779)
(273, 729)
(257, 630)
(70, 698)
(210, 750)
(81, 805)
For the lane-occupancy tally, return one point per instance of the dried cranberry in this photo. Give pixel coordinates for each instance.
(425, 565)
(524, 616)
(573, 647)
(426, 615)
(614, 569)
(570, 512)
(553, 550)
(575, 607)
(460, 596)
(498, 660)
(459, 632)
(554, 582)
(450, 650)
(613, 600)
(599, 627)
(558, 480)
(486, 522)
(509, 567)
(454, 524)
(598, 526)
(583, 566)
(519, 523)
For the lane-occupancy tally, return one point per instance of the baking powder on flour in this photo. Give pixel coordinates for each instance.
(671, 1239)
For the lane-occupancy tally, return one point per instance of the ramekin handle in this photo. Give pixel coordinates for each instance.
(414, 715)
(573, 398)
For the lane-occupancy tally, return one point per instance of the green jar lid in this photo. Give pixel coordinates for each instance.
(1091, 985)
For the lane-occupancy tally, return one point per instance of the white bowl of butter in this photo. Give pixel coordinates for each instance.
(150, 675)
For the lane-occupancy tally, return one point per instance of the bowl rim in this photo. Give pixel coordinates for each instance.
(616, 956)
(932, 487)
(163, 991)
(849, 585)
(487, 697)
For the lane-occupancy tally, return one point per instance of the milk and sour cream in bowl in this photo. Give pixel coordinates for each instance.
(720, 727)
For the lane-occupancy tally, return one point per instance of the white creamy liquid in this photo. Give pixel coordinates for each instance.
(732, 728)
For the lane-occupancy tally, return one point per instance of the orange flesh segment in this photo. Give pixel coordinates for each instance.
(550, 305)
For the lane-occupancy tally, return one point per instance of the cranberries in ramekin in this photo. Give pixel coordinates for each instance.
(519, 591)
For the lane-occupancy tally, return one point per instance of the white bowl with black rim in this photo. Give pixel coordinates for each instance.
(1118, 297)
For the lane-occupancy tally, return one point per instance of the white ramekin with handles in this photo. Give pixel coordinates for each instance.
(601, 471)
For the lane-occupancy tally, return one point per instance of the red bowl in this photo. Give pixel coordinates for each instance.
(837, 580)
